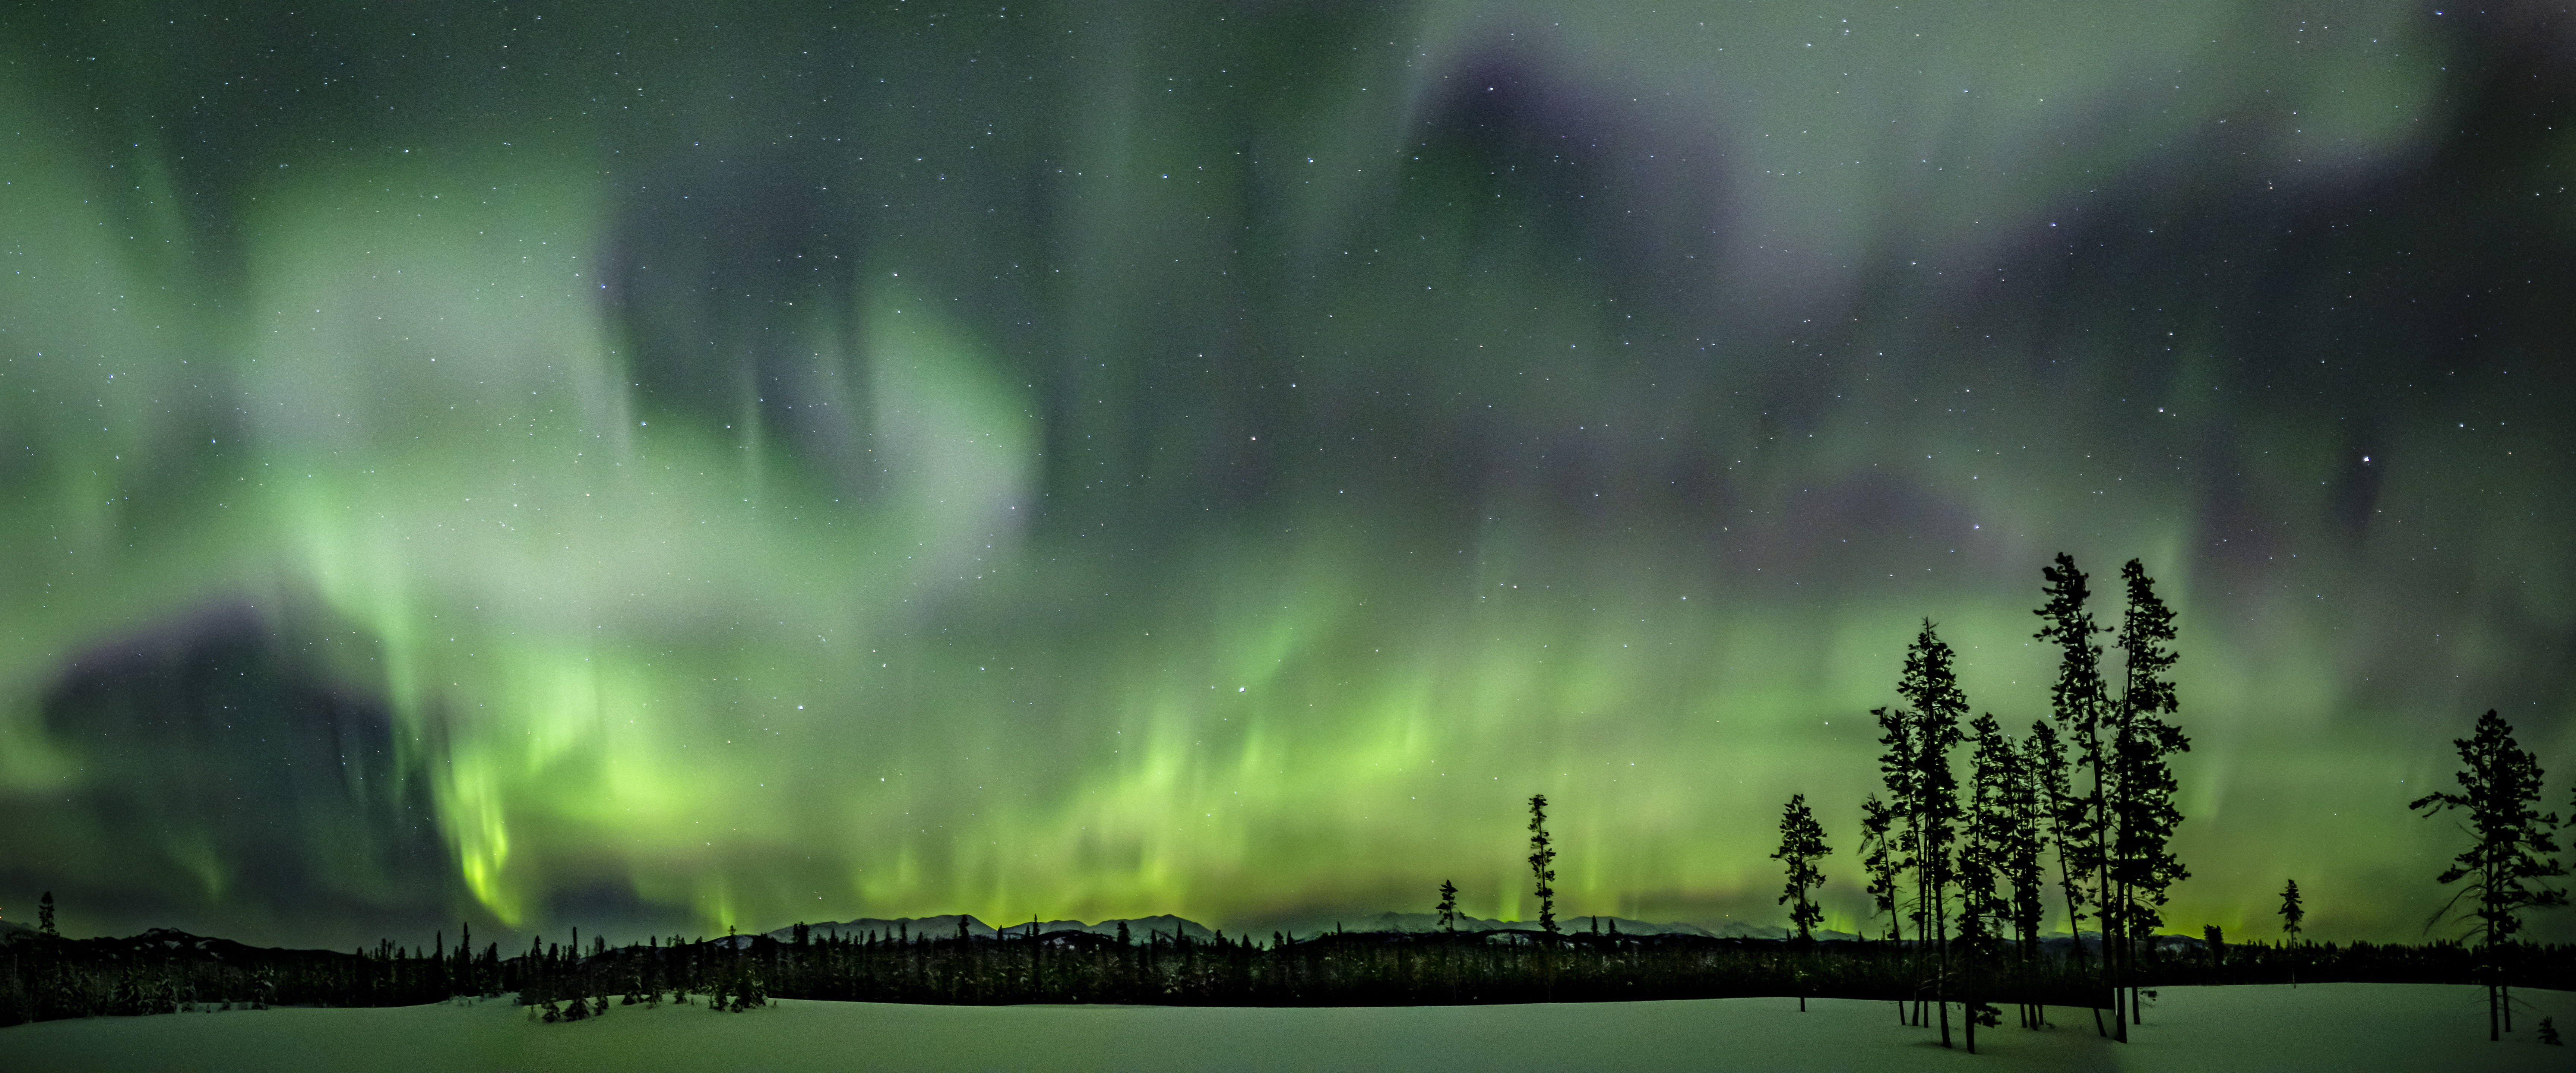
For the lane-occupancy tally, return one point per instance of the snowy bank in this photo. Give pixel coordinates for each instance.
(2318, 1027)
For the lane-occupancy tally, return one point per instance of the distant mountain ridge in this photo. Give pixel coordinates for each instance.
(1428, 922)
(944, 926)
(165, 943)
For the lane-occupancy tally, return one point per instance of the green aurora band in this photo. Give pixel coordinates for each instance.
(1222, 459)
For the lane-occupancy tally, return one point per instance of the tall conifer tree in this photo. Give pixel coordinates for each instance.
(1985, 863)
(2078, 702)
(2291, 914)
(1542, 861)
(2508, 855)
(1931, 685)
(2142, 808)
(1802, 842)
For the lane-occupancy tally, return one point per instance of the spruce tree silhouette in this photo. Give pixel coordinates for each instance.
(2078, 702)
(1542, 860)
(1448, 907)
(2499, 789)
(2291, 914)
(2143, 812)
(1931, 685)
(1802, 842)
(1987, 863)
(45, 915)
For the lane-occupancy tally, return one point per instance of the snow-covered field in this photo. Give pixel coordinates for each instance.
(2319, 1027)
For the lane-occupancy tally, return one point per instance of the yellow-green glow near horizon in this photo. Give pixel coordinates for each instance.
(1236, 505)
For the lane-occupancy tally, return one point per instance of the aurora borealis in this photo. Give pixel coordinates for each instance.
(678, 466)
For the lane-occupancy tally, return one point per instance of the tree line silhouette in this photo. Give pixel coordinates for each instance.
(2079, 810)
(167, 972)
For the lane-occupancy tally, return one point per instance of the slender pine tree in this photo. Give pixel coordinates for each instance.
(1542, 861)
(2508, 856)
(2292, 912)
(1802, 843)
(1931, 685)
(2143, 809)
(2079, 702)
(1985, 863)
(1448, 907)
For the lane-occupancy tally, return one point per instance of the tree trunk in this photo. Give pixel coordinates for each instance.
(1922, 920)
(1941, 980)
(1900, 1002)
(2115, 962)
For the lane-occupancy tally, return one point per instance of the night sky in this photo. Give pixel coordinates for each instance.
(639, 466)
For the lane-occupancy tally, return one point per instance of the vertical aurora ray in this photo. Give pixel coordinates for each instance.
(1224, 467)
